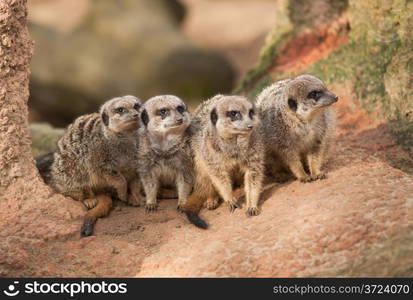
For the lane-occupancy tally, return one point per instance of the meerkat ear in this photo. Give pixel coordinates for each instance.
(292, 104)
(214, 116)
(145, 117)
(105, 118)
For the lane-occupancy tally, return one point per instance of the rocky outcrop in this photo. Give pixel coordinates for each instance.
(29, 213)
(121, 47)
(364, 43)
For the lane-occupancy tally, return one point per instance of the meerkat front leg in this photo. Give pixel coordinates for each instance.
(294, 163)
(315, 162)
(184, 189)
(119, 183)
(151, 186)
(135, 197)
(253, 187)
(222, 183)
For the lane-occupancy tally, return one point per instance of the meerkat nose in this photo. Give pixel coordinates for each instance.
(335, 98)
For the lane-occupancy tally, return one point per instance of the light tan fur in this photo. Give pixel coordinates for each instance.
(228, 148)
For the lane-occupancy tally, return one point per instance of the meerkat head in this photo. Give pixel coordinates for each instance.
(165, 114)
(233, 115)
(306, 95)
(121, 114)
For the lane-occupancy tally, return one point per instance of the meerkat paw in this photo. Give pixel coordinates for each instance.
(134, 201)
(212, 203)
(319, 176)
(87, 227)
(90, 203)
(252, 211)
(151, 207)
(306, 179)
(233, 205)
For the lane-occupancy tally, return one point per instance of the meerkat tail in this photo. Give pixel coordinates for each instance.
(165, 193)
(44, 163)
(192, 208)
(104, 203)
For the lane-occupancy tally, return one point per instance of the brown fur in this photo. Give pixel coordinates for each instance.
(97, 156)
(299, 126)
(164, 151)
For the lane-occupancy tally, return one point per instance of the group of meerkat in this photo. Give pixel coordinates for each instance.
(134, 151)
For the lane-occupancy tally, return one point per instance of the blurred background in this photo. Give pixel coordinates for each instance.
(87, 51)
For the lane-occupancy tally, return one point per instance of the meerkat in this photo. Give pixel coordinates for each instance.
(298, 125)
(164, 153)
(227, 147)
(96, 157)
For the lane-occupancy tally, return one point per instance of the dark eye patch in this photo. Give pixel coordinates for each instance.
(136, 106)
(181, 109)
(314, 95)
(292, 104)
(163, 112)
(234, 115)
(120, 110)
(251, 113)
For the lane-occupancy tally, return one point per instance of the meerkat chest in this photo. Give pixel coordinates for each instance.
(305, 137)
(167, 170)
(124, 156)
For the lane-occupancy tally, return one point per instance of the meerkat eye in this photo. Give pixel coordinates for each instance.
(162, 112)
(120, 110)
(314, 95)
(234, 115)
(251, 113)
(136, 106)
(180, 109)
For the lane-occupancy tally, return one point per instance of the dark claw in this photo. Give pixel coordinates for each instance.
(319, 176)
(306, 180)
(87, 227)
(180, 208)
(233, 206)
(151, 208)
(253, 211)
